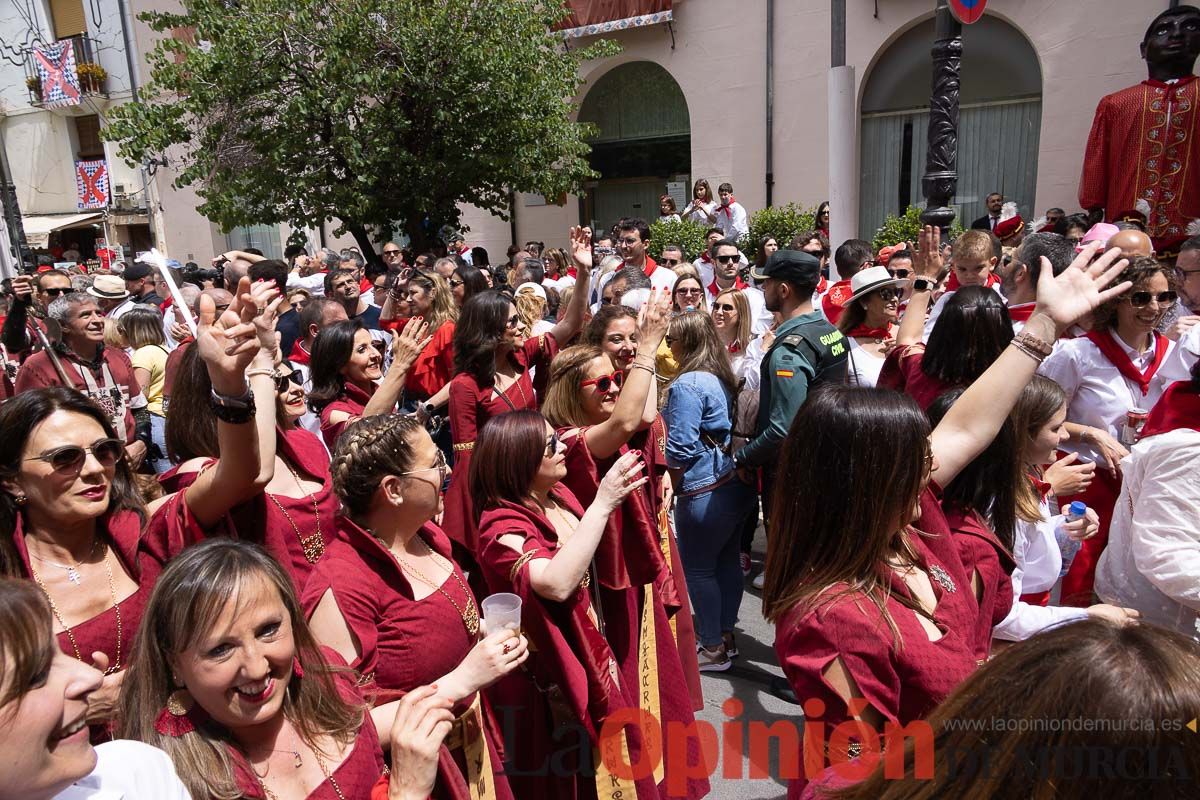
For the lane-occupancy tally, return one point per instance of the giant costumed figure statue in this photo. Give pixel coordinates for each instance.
(1143, 153)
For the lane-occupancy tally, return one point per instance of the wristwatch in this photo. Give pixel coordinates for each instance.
(233, 410)
(922, 285)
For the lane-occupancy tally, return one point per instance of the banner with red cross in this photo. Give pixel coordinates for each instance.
(91, 184)
(56, 70)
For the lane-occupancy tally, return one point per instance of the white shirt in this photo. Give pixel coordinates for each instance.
(700, 217)
(934, 313)
(1178, 364)
(705, 268)
(1038, 563)
(732, 219)
(760, 318)
(128, 770)
(314, 283)
(864, 366)
(1099, 396)
(120, 311)
(1152, 562)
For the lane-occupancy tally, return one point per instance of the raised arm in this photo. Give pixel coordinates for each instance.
(974, 420)
(928, 265)
(228, 345)
(628, 415)
(572, 320)
(557, 578)
(407, 345)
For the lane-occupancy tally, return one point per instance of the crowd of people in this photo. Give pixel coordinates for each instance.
(252, 513)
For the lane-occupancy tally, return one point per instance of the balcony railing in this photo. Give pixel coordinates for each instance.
(92, 77)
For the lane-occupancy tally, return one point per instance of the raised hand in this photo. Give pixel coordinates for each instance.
(928, 262)
(409, 343)
(1080, 288)
(492, 657)
(266, 296)
(654, 318)
(581, 246)
(622, 478)
(229, 343)
(423, 718)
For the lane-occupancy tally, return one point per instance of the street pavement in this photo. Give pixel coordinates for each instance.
(748, 681)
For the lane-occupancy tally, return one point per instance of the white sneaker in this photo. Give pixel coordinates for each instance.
(759, 580)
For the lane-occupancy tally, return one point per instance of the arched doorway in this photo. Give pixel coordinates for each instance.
(1000, 116)
(644, 145)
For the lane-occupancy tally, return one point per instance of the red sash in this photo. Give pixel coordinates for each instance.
(1178, 408)
(728, 210)
(299, 355)
(1116, 355)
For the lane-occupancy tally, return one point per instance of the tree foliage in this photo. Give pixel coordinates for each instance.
(781, 222)
(905, 228)
(688, 235)
(383, 114)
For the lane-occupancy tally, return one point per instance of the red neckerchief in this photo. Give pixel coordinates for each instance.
(728, 209)
(299, 355)
(871, 333)
(953, 285)
(734, 347)
(649, 268)
(572, 272)
(1178, 408)
(1116, 355)
(823, 286)
(464, 250)
(1022, 312)
(1040, 486)
(706, 258)
(738, 284)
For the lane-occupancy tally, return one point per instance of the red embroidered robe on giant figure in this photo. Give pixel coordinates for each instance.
(1144, 145)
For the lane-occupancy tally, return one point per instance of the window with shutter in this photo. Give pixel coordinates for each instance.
(68, 18)
(87, 133)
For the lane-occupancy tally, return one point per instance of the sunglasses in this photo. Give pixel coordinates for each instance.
(728, 307)
(456, 282)
(669, 339)
(1142, 299)
(513, 321)
(887, 295)
(55, 292)
(898, 273)
(390, 253)
(727, 259)
(671, 262)
(69, 459)
(284, 382)
(552, 445)
(928, 464)
(688, 291)
(605, 382)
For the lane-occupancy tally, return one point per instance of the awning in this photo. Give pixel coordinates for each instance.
(593, 17)
(38, 229)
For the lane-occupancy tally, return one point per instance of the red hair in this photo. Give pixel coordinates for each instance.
(506, 459)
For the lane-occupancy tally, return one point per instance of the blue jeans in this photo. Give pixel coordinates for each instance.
(158, 435)
(708, 526)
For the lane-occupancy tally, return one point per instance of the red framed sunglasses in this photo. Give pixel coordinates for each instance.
(605, 382)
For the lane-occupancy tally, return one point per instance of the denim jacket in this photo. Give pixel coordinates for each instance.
(697, 418)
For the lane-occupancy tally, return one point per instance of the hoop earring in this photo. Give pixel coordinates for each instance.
(180, 715)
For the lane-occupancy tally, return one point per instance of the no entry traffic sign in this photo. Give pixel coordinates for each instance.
(967, 11)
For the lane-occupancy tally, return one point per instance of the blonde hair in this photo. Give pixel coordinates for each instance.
(189, 597)
(1040, 400)
(701, 347)
(112, 334)
(559, 257)
(740, 304)
(686, 271)
(563, 407)
(531, 308)
(443, 308)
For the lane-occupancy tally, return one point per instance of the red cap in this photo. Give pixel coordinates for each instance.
(1009, 227)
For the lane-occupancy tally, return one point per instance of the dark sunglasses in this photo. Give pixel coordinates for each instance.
(727, 259)
(552, 445)
(283, 382)
(689, 290)
(1142, 299)
(513, 321)
(605, 382)
(898, 273)
(669, 339)
(69, 459)
(887, 295)
(55, 292)
(723, 307)
(390, 253)
(671, 262)
(456, 282)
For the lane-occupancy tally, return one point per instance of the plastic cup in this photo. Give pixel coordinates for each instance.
(500, 611)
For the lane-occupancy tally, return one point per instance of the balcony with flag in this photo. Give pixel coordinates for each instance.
(61, 74)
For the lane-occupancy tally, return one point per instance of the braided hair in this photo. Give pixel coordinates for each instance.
(370, 450)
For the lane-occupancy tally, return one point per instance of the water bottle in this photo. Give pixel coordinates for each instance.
(1069, 546)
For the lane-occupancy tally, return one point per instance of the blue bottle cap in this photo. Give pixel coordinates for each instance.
(1077, 508)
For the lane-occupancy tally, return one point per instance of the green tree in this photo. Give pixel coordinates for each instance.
(906, 228)
(383, 114)
(783, 223)
(688, 235)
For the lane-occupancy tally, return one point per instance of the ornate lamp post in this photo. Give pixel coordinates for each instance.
(941, 177)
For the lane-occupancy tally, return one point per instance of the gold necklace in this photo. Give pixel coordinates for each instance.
(312, 545)
(72, 571)
(320, 763)
(112, 590)
(470, 616)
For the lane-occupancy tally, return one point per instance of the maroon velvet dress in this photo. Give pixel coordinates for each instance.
(985, 555)
(902, 372)
(628, 559)
(471, 406)
(404, 643)
(360, 770)
(285, 526)
(352, 401)
(571, 684)
(902, 680)
(121, 530)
